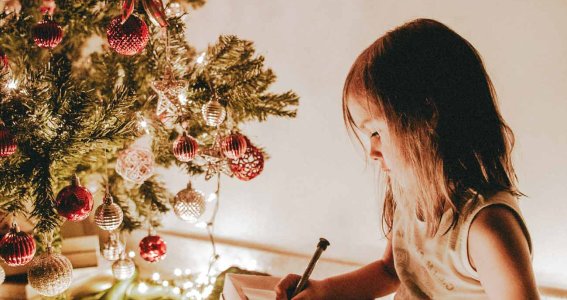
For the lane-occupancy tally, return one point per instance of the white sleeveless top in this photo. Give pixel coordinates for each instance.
(438, 267)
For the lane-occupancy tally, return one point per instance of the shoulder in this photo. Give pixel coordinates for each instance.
(497, 226)
(499, 250)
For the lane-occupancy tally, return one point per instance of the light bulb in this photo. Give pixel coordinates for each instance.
(201, 58)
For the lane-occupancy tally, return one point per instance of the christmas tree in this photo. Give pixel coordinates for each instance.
(85, 86)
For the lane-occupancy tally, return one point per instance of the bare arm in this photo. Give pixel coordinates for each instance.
(499, 251)
(373, 280)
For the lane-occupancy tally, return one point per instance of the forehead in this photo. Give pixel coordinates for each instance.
(363, 109)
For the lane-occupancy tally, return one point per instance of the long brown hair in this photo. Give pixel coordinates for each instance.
(440, 106)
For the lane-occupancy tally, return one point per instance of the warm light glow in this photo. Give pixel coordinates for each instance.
(201, 58)
(188, 285)
(201, 224)
(131, 254)
(144, 124)
(176, 291)
(212, 197)
(250, 264)
(208, 291)
(92, 187)
(142, 287)
(12, 84)
(202, 279)
(155, 276)
(177, 272)
(182, 98)
(165, 283)
(187, 271)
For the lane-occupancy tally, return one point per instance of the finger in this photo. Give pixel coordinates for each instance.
(304, 295)
(290, 280)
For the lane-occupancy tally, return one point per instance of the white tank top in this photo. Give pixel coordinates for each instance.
(438, 267)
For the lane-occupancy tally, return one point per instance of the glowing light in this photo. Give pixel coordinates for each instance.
(93, 187)
(182, 98)
(202, 279)
(187, 271)
(165, 283)
(12, 84)
(212, 197)
(177, 272)
(131, 254)
(201, 224)
(155, 276)
(142, 287)
(207, 291)
(251, 264)
(144, 124)
(176, 291)
(188, 285)
(201, 58)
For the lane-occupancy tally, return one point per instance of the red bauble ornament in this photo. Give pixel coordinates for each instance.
(185, 148)
(234, 145)
(4, 64)
(7, 142)
(249, 165)
(74, 201)
(153, 248)
(17, 248)
(129, 38)
(47, 33)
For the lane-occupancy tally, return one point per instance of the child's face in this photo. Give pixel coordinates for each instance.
(369, 120)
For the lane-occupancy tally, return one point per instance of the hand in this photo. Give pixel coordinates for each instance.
(316, 289)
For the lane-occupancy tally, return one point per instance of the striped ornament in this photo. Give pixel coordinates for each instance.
(8, 144)
(108, 215)
(47, 33)
(17, 248)
(234, 145)
(185, 148)
(213, 113)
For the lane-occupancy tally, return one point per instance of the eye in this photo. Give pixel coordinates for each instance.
(375, 133)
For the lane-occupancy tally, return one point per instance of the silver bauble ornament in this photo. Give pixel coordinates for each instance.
(213, 112)
(189, 204)
(108, 215)
(112, 248)
(123, 268)
(50, 273)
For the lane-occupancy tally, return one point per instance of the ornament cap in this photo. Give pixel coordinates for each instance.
(108, 198)
(46, 15)
(75, 181)
(15, 227)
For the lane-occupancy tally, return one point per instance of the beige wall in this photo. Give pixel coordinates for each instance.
(316, 185)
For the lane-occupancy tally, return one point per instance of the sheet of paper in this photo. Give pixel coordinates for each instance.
(257, 294)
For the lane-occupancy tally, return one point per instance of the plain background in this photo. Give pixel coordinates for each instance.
(316, 183)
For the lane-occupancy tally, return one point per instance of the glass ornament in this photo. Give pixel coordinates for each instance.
(213, 112)
(108, 215)
(135, 164)
(74, 202)
(17, 248)
(189, 204)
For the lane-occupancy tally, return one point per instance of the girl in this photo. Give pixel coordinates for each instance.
(422, 97)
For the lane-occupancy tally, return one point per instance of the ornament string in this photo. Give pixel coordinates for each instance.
(211, 227)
